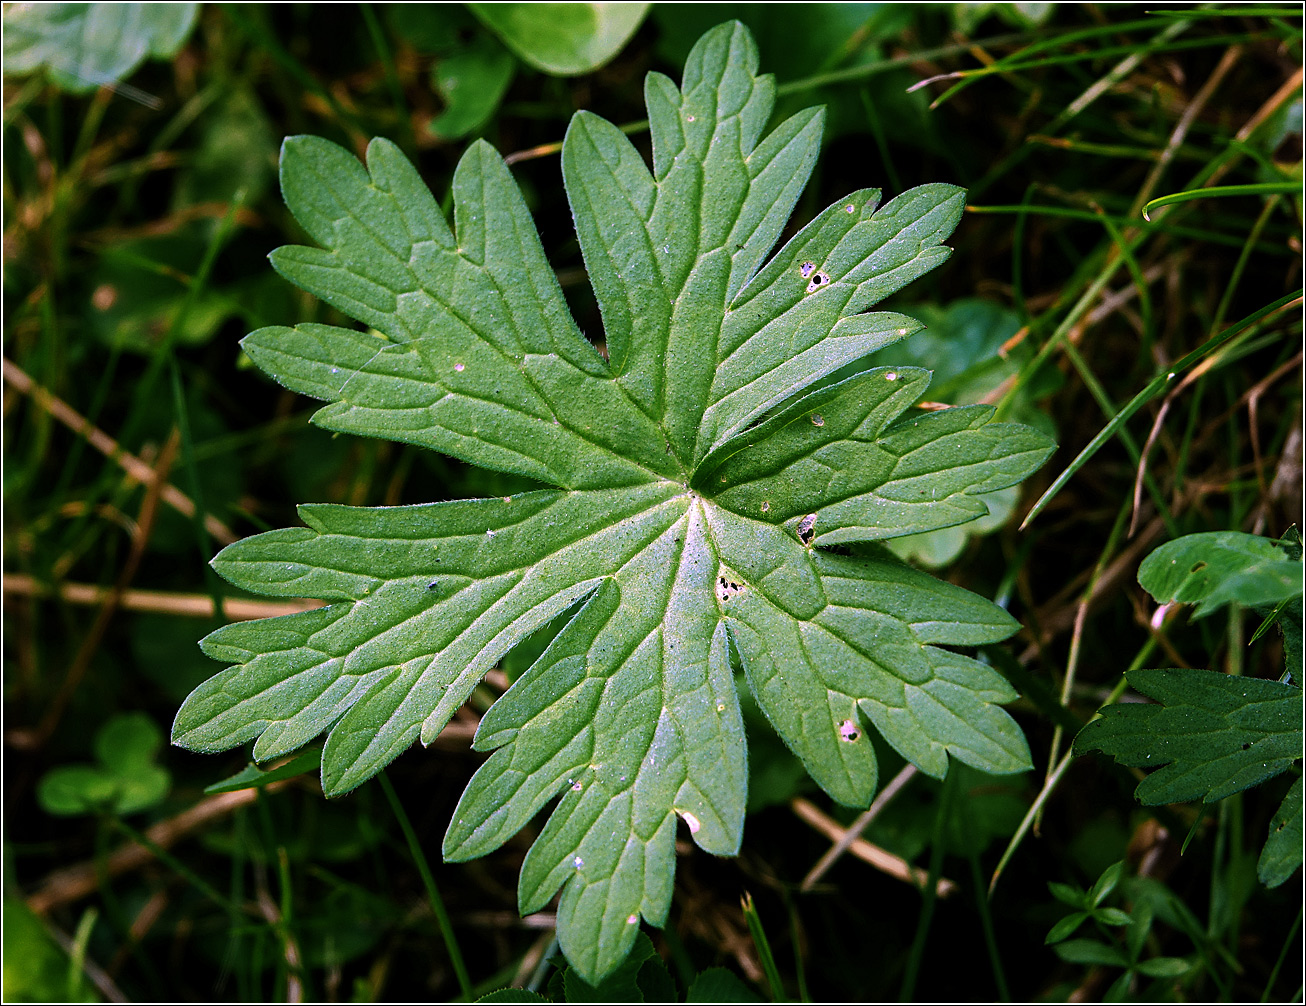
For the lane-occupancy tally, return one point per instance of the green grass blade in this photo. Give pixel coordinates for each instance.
(432, 892)
(763, 948)
(1222, 191)
(1154, 388)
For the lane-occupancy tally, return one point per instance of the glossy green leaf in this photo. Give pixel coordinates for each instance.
(1283, 849)
(85, 45)
(1216, 568)
(695, 475)
(1208, 735)
(564, 39)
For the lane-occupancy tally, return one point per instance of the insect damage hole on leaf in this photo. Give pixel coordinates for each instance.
(683, 479)
(728, 586)
(819, 279)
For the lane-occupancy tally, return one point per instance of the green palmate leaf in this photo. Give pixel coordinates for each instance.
(697, 474)
(1215, 568)
(1210, 735)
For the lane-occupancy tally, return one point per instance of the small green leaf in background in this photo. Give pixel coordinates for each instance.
(564, 39)
(719, 985)
(1209, 734)
(471, 83)
(124, 780)
(1215, 568)
(1283, 849)
(85, 45)
(472, 70)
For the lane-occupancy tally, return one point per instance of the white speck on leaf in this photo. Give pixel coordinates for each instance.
(891, 376)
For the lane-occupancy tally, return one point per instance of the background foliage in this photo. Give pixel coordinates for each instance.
(136, 441)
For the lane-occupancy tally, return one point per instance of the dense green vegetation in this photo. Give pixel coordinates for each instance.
(1157, 340)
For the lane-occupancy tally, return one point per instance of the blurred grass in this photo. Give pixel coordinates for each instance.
(134, 246)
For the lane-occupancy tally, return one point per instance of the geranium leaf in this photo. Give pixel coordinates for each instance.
(697, 470)
(1208, 734)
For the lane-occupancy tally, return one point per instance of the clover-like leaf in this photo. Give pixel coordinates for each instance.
(699, 470)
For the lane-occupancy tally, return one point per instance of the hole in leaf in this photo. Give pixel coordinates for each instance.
(818, 419)
(806, 529)
(806, 269)
(727, 589)
(818, 280)
(848, 731)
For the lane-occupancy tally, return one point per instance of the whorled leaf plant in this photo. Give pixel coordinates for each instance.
(700, 473)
